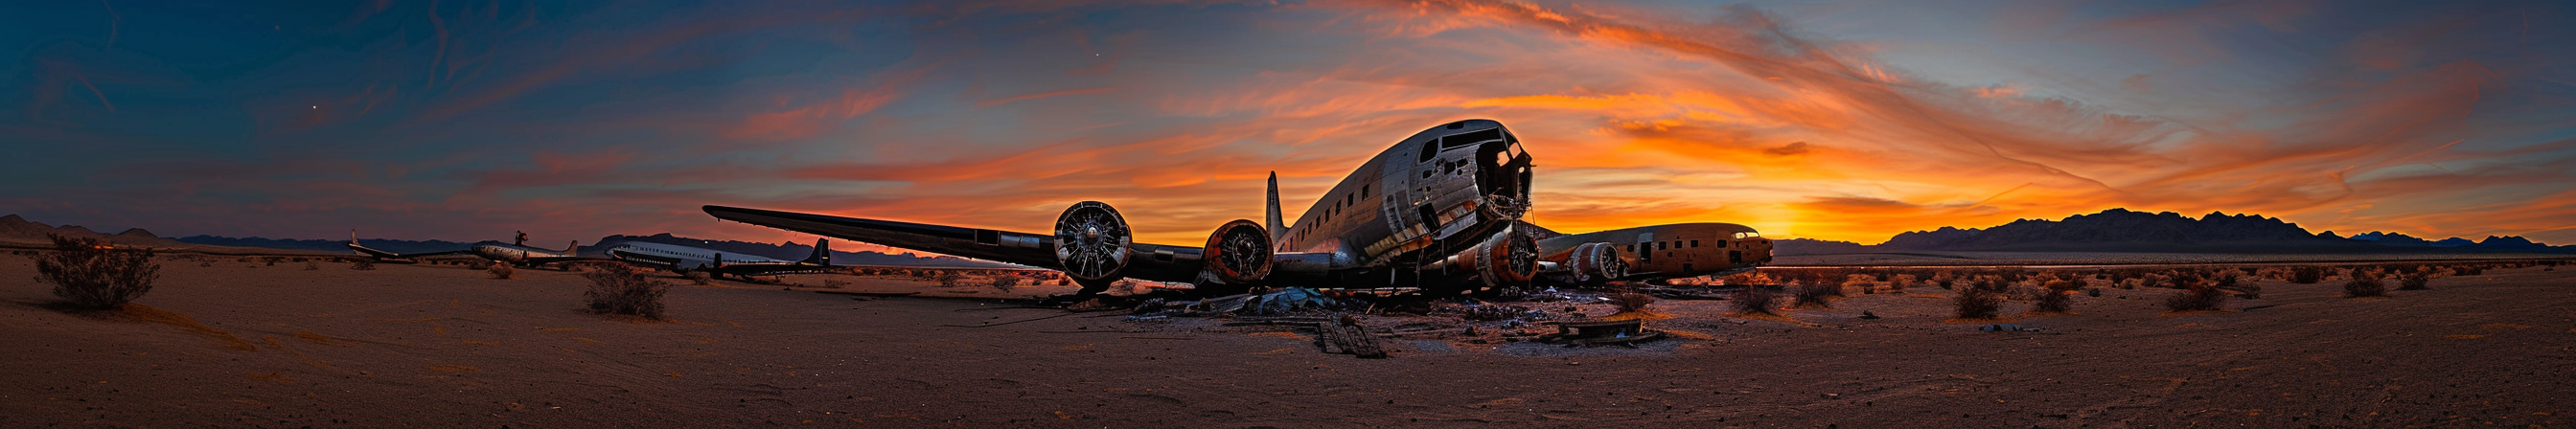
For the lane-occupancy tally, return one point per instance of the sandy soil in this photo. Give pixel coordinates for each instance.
(446, 346)
(1971, 258)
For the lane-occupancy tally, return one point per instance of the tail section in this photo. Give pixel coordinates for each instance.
(1278, 227)
(572, 249)
(822, 253)
(371, 253)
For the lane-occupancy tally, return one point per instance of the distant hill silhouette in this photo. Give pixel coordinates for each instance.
(396, 246)
(20, 230)
(2122, 230)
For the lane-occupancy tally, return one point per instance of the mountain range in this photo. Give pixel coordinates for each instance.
(2122, 230)
(15, 229)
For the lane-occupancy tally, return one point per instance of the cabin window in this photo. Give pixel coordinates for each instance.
(1364, 191)
(1659, 245)
(1694, 243)
(1430, 149)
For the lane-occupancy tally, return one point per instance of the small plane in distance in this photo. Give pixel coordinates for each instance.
(519, 254)
(685, 259)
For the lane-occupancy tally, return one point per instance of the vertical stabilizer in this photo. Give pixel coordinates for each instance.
(822, 253)
(1278, 228)
(573, 249)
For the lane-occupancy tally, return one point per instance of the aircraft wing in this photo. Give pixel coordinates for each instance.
(379, 254)
(1036, 250)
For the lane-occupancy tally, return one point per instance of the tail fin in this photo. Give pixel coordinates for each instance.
(1278, 228)
(371, 253)
(572, 249)
(822, 253)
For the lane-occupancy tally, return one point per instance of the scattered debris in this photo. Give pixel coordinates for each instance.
(1616, 332)
(2006, 327)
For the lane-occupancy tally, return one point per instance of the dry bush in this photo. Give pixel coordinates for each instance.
(1815, 294)
(1631, 302)
(1739, 279)
(2362, 286)
(270, 261)
(1005, 282)
(1862, 281)
(2050, 300)
(2470, 270)
(835, 283)
(700, 278)
(2196, 299)
(947, 278)
(90, 274)
(312, 266)
(363, 265)
(501, 271)
(620, 289)
(2307, 275)
(1975, 303)
(2416, 281)
(2248, 291)
(1755, 300)
(1902, 281)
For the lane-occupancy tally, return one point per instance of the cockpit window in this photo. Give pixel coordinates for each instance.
(1747, 234)
(1470, 137)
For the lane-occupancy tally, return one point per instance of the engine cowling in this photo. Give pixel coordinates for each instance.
(1596, 262)
(1507, 259)
(1091, 242)
(1238, 252)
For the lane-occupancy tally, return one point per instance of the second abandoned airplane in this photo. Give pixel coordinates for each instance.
(1439, 211)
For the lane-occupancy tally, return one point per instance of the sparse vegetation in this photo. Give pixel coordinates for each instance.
(1975, 303)
(90, 274)
(312, 266)
(501, 271)
(700, 278)
(2307, 275)
(1755, 300)
(2050, 299)
(947, 278)
(835, 283)
(2201, 298)
(620, 289)
(2364, 286)
(363, 265)
(2416, 281)
(1816, 293)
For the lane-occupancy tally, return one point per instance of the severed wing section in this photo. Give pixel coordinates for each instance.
(1141, 261)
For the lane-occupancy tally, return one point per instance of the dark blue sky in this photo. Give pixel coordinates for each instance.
(1851, 121)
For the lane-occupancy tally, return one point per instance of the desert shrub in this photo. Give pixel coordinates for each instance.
(363, 265)
(1975, 303)
(947, 278)
(2248, 291)
(2196, 299)
(2060, 285)
(312, 266)
(700, 278)
(2228, 279)
(2050, 300)
(1755, 300)
(1902, 281)
(2093, 292)
(1739, 279)
(2471, 270)
(2307, 275)
(501, 271)
(2362, 286)
(2416, 281)
(1632, 302)
(90, 274)
(835, 283)
(620, 289)
(270, 261)
(1816, 294)
(1863, 281)
(1944, 281)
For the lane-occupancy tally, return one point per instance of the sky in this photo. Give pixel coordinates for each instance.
(1854, 121)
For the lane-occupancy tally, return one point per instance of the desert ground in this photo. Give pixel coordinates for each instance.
(221, 342)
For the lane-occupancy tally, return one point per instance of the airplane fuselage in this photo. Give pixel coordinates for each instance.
(1676, 250)
(682, 258)
(1430, 195)
(515, 253)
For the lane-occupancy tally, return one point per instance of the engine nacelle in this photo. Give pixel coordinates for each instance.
(1091, 242)
(1507, 259)
(1238, 252)
(1596, 262)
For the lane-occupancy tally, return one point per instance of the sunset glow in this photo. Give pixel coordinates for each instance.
(469, 121)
